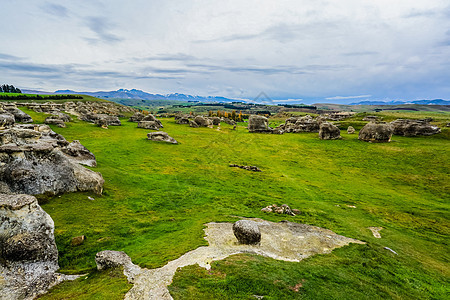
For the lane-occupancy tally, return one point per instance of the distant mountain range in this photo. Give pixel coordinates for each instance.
(138, 94)
(423, 102)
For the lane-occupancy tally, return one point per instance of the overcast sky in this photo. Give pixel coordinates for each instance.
(342, 50)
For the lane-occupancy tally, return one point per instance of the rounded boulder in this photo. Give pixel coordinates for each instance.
(247, 232)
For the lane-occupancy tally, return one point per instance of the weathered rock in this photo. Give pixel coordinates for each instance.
(182, 120)
(371, 118)
(55, 121)
(258, 124)
(193, 124)
(7, 120)
(19, 115)
(138, 116)
(376, 132)
(407, 127)
(27, 248)
(103, 119)
(161, 136)
(351, 130)
(249, 168)
(202, 121)
(228, 121)
(35, 160)
(149, 125)
(247, 232)
(302, 124)
(80, 154)
(109, 259)
(215, 120)
(329, 131)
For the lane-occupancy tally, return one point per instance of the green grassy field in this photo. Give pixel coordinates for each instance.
(157, 197)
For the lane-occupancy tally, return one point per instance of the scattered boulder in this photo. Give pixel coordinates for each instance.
(215, 120)
(36, 160)
(283, 209)
(407, 127)
(376, 133)
(55, 121)
(149, 125)
(249, 168)
(182, 119)
(258, 124)
(228, 121)
(351, 130)
(247, 232)
(193, 124)
(302, 124)
(329, 131)
(27, 248)
(161, 136)
(103, 119)
(372, 118)
(109, 259)
(202, 122)
(138, 116)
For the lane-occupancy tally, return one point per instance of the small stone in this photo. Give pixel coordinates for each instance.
(267, 209)
(351, 130)
(78, 240)
(247, 232)
(296, 211)
(90, 198)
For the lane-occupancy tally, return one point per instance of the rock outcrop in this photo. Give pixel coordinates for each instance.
(376, 132)
(19, 116)
(109, 259)
(200, 121)
(329, 131)
(247, 232)
(407, 127)
(258, 124)
(161, 136)
(29, 257)
(302, 124)
(6, 120)
(35, 160)
(153, 125)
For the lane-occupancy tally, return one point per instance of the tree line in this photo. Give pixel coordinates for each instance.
(4, 88)
(38, 97)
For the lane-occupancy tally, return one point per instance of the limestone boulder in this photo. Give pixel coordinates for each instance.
(258, 124)
(7, 120)
(351, 130)
(27, 248)
(153, 125)
(407, 127)
(247, 232)
(376, 132)
(161, 136)
(19, 115)
(80, 154)
(202, 121)
(329, 131)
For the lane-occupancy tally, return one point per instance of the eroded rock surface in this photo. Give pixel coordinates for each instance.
(407, 127)
(329, 131)
(247, 232)
(112, 259)
(34, 160)
(258, 124)
(161, 136)
(376, 132)
(29, 257)
(284, 241)
(302, 124)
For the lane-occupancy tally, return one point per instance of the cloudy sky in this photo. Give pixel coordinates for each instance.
(338, 51)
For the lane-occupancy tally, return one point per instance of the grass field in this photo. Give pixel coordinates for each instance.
(157, 197)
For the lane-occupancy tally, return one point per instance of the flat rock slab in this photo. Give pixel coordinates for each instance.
(283, 241)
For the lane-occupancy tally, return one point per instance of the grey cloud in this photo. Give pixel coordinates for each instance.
(55, 9)
(362, 53)
(9, 57)
(167, 57)
(101, 27)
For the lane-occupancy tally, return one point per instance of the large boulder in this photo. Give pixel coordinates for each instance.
(247, 232)
(80, 154)
(215, 120)
(258, 124)
(329, 131)
(161, 136)
(138, 116)
(376, 132)
(351, 130)
(202, 121)
(103, 119)
(35, 160)
(19, 115)
(407, 127)
(153, 125)
(302, 124)
(29, 257)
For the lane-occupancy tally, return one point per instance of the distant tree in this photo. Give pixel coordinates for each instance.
(219, 114)
(5, 88)
(240, 116)
(233, 115)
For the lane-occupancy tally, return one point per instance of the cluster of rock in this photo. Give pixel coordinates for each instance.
(380, 132)
(407, 127)
(59, 119)
(9, 114)
(101, 120)
(201, 121)
(28, 253)
(249, 168)
(302, 124)
(283, 209)
(260, 124)
(36, 160)
(161, 136)
(147, 121)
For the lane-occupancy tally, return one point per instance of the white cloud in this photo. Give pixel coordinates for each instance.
(287, 48)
